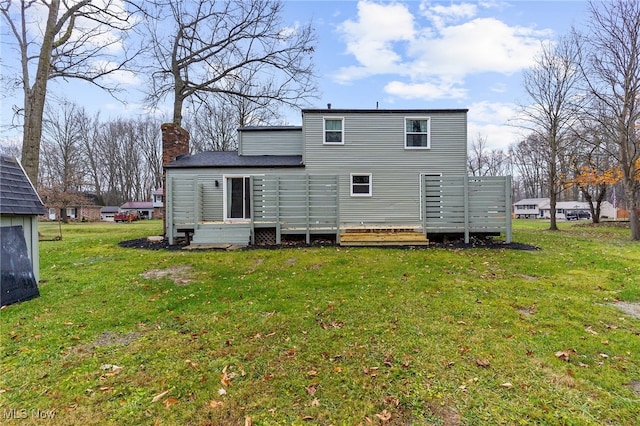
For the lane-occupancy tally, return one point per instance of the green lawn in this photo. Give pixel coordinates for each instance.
(326, 335)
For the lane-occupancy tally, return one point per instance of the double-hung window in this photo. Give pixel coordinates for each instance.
(417, 133)
(361, 185)
(333, 131)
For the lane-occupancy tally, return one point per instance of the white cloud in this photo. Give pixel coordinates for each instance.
(373, 39)
(425, 90)
(495, 121)
(444, 44)
(441, 15)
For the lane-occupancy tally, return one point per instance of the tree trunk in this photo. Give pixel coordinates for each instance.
(634, 220)
(553, 193)
(35, 97)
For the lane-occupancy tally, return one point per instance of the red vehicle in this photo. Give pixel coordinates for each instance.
(126, 216)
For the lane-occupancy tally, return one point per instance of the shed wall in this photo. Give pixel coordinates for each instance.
(30, 227)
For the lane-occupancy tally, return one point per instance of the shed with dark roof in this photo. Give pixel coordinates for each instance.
(20, 207)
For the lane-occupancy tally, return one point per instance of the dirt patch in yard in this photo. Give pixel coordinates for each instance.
(629, 308)
(109, 338)
(180, 275)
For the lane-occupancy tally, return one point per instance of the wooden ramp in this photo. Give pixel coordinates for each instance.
(383, 237)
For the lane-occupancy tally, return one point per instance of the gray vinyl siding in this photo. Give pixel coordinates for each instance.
(374, 143)
(270, 142)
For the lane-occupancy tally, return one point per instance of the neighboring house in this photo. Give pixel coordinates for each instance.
(20, 207)
(157, 198)
(76, 213)
(107, 213)
(84, 207)
(530, 208)
(361, 176)
(145, 208)
(607, 211)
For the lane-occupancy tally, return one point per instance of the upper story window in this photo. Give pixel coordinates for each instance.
(417, 133)
(333, 131)
(361, 185)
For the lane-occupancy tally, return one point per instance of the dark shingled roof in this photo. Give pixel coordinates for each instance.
(17, 194)
(382, 111)
(222, 159)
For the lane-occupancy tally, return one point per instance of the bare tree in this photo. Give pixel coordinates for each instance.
(612, 70)
(11, 148)
(213, 127)
(484, 162)
(214, 124)
(90, 142)
(239, 48)
(553, 86)
(62, 175)
(149, 142)
(528, 159)
(77, 40)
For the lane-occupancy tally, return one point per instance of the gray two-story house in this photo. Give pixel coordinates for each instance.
(363, 176)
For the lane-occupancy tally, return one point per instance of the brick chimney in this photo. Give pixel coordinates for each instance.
(175, 142)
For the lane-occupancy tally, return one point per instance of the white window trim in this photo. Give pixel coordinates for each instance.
(370, 193)
(404, 126)
(225, 202)
(324, 131)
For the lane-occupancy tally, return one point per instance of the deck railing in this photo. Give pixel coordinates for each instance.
(467, 204)
(306, 204)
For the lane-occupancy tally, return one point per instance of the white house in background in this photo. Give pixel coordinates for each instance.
(107, 213)
(607, 211)
(530, 208)
(157, 198)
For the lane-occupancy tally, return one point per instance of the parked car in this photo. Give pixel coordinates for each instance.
(577, 215)
(126, 216)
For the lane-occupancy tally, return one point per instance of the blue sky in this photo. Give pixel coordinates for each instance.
(402, 54)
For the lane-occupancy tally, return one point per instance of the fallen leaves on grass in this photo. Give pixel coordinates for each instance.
(591, 330)
(169, 402)
(290, 353)
(226, 378)
(370, 371)
(384, 416)
(215, 404)
(507, 385)
(565, 355)
(312, 388)
(482, 363)
(159, 396)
